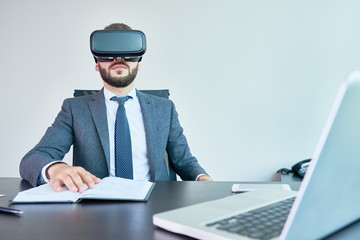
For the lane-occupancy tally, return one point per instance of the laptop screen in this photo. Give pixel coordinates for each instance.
(329, 195)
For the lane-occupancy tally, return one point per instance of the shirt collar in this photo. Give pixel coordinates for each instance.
(108, 95)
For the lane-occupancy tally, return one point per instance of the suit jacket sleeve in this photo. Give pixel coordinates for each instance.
(184, 163)
(53, 146)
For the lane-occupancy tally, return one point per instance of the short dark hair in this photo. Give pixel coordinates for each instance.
(118, 26)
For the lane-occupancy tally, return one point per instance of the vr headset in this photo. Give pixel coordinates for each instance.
(107, 45)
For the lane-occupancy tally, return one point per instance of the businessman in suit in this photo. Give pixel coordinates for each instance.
(87, 124)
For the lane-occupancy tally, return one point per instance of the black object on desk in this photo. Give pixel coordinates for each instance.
(298, 169)
(10, 211)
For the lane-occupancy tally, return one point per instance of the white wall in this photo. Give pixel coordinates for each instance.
(253, 80)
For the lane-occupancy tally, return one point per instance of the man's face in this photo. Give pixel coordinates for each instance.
(118, 73)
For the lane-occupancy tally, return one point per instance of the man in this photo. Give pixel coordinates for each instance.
(88, 123)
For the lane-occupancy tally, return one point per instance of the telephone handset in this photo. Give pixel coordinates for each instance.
(301, 167)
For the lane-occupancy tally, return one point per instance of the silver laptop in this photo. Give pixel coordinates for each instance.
(327, 200)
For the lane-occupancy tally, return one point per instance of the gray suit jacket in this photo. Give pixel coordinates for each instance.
(82, 122)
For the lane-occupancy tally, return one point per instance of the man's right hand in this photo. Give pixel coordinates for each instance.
(72, 177)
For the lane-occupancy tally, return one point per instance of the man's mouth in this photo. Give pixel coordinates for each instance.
(119, 67)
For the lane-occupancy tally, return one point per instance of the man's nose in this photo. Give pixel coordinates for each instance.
(119, 60)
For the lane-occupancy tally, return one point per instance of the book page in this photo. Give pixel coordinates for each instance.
(119, 189)
(45, 193)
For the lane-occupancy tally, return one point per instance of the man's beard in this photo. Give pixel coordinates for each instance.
(118, 81)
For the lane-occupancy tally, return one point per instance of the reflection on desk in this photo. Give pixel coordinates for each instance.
(111, 219)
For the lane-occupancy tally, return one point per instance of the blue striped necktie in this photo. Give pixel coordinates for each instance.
(123, 153)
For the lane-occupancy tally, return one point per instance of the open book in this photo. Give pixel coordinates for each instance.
(110, 188)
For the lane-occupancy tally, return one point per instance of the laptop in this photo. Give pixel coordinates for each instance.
(328, 198)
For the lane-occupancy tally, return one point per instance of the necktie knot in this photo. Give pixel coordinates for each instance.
(120, 100)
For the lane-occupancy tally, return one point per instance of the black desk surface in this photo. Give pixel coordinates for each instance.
(111, 219)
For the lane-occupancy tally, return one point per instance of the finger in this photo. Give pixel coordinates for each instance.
(78, 181)
(204, 178)
(91, 180)
(56, 185)
(88, 179)
(68, 181)
(96, 179)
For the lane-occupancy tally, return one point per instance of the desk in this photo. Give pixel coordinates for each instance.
(109, 219)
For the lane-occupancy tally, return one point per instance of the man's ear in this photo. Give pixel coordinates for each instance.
(97, 67)
(139, 66)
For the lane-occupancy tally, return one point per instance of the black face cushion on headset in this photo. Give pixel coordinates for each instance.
(117, 43)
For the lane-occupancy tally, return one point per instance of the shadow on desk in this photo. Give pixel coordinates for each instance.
(24, 185)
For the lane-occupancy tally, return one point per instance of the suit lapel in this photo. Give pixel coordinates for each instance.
(148, 112)
(98, 112)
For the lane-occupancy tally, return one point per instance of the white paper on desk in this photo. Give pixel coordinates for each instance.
(110, 188)
(119, 189)
(246, 187)
(45, 193)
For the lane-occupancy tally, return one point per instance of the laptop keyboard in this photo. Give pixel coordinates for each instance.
(262, 223)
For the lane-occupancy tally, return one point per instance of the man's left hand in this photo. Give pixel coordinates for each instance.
(204, 178)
